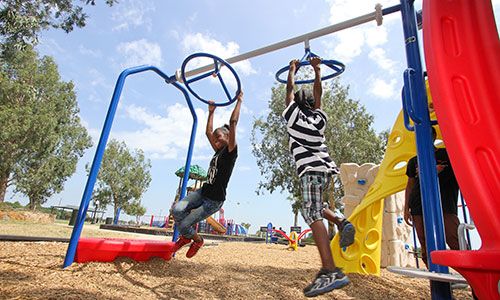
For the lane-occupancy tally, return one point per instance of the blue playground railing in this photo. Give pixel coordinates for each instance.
(96, 163)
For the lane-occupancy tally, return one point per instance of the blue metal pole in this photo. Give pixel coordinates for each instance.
(431, 200)
(117, 217)
(96, 163)
(187, 165)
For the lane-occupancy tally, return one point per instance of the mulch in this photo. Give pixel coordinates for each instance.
(229, 270)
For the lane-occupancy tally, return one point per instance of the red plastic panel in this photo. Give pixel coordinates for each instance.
(107, 250)
(462, 53)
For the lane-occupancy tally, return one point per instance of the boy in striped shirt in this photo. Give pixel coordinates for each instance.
(306, 124)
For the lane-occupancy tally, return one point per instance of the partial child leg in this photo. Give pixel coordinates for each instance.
(206, 209)
(346, 229)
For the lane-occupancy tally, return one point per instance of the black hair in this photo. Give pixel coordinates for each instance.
(304, 98)
(224, 128)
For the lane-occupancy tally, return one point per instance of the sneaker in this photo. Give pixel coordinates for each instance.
(181, 242)
(326, 281)
(193, 249)
(347, 232)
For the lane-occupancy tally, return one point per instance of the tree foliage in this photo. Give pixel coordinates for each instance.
(41, 138)
(123, 178)
(21, 21)
(349, 137)
(135, 209)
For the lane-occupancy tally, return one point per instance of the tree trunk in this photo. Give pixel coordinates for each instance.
(296, 219)
(3, 186)
(32, 204)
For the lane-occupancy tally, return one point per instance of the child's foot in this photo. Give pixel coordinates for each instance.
(193, 249)
(325, 282)
(181, 242)
(347, 232)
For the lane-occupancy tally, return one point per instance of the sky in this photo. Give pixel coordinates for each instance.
(153, 115)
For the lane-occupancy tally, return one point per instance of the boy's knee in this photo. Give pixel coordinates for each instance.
(176, 210)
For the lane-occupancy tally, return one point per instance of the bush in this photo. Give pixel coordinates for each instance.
(7, 206)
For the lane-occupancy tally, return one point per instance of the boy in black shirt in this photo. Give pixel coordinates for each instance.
(448, 187)
(209, 199)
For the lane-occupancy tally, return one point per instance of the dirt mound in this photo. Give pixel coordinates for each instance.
(32, 216)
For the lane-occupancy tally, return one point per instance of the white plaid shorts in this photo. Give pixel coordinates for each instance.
(312, 185)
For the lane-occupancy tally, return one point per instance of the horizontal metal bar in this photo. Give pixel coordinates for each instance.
(299, 39)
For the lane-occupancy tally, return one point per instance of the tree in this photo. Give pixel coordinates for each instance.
(135, 209)
(296, 205)
(21, 21)
(123, 177)
(41, 138)
(349, 137)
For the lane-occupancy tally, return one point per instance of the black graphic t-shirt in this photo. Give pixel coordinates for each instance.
(448, 185)
(219, 172)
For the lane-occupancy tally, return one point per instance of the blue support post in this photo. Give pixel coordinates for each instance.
(117, 217)
(187, 165)
(431, 200)
(96, 163)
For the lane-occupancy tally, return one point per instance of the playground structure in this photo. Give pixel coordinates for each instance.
(456, 34)
(293, 239)
(78, 245)
(396, 234)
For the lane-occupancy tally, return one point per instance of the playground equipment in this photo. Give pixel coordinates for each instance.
(336, 66)
(216, 225)
(396, 234)
(293, 239)
(94, 246)
(107, 250)
(456, 34)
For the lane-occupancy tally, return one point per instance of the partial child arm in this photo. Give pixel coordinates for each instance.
(290, 83)
(235, 116)
(409, 187)
(210, 124)
(317, 88)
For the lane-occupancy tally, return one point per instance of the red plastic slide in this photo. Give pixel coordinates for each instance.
(107, 250)
(462, 53)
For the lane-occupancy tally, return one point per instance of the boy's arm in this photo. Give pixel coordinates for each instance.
(233, 121)
(409, 187)
(317, 88)
(290, 83)
(210, 121)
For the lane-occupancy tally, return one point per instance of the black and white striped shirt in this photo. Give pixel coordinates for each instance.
(306, 130)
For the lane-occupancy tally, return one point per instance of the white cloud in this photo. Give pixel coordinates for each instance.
(132, 13)
(140, 52)
(93, 132)
(349, 43)
(376, 36)
(197, 42)
(98, 79)
(89, 52)
(383, 89)
(167, 137)
(379, 56)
